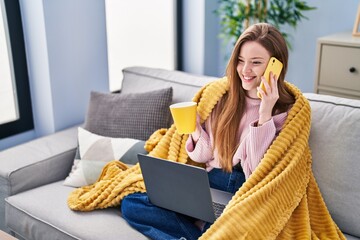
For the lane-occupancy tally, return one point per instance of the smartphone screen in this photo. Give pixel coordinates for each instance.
(274, 66)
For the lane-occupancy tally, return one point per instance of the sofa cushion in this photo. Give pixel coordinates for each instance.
(42, 214)
(95, 151)
(334, 141)
(133, 115)
(143, 79)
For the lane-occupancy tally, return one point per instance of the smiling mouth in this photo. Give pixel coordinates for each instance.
(248, 79)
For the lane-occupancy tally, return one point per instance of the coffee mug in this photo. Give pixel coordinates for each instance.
(184, 115)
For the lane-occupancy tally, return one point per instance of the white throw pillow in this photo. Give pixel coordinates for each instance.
(95, 151)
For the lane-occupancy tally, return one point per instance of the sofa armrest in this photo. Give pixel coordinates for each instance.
(38, 162)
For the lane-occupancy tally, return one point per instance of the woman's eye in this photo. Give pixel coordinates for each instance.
(240, 60)
(257, 63)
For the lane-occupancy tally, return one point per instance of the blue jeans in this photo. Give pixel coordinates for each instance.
(162, 224)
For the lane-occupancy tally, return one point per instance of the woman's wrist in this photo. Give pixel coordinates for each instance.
(263, 119)
(195, 136)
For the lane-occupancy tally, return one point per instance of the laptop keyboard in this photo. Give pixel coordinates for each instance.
(218, 209)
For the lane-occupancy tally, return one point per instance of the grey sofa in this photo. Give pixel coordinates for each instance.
(33, 197)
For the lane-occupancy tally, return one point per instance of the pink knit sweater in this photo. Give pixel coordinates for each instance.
(253, 141)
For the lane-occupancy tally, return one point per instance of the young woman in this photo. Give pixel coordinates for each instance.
(233, 140)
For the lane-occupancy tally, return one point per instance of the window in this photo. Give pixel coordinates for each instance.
(142, 33)
(8, 100)
(15, 103)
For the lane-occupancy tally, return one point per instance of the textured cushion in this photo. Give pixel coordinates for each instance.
(95, 151)
(133, 115)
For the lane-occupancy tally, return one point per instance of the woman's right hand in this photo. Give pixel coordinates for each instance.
(269, 98)
(197, 133)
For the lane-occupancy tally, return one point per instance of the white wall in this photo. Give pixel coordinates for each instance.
(331, 16)
(201, 45)
(38, 65)
(77, 56)
(193, 36)
(213, 44)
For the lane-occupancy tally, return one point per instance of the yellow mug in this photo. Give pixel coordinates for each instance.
(184, 115)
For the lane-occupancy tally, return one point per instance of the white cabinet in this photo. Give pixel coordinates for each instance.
(338, 65)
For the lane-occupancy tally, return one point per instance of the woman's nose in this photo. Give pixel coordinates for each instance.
(246, 68)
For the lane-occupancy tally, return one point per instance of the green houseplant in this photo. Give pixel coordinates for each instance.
(237, 15)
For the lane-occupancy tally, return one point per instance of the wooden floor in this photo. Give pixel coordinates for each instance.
(5, 236)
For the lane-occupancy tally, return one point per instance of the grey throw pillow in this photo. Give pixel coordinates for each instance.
(135, 115)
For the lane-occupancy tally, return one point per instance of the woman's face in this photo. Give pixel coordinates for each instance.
(252, 61)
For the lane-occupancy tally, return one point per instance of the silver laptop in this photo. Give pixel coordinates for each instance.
(182, 188)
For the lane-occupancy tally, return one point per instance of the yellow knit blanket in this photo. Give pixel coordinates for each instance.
(280, 200)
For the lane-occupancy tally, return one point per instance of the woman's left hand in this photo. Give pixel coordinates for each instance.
(268, 99)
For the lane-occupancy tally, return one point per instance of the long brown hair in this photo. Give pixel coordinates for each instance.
(232, 105)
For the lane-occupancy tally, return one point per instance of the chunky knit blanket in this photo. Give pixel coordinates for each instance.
(280, 199)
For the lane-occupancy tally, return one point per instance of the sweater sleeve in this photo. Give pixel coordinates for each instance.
(198, 146)
(253, 147)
